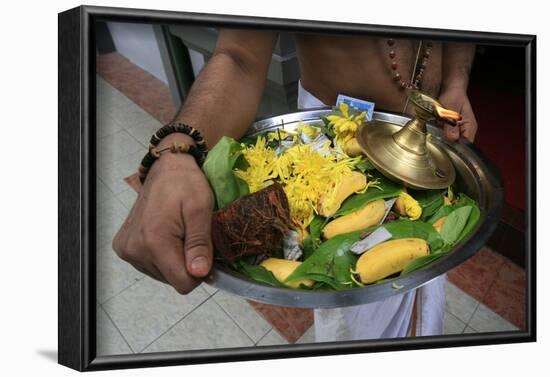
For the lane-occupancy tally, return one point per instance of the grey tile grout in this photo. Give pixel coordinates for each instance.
(176, 323)
(259, 340)
(124, 289)
(231, 318)
(458, 319)
(467, 294)
(117, 329)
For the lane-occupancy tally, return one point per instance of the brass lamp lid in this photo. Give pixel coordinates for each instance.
(405, 154)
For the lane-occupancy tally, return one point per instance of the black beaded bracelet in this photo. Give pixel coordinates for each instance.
(198, 151)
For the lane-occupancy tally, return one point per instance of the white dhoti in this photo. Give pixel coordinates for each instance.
(389, 318)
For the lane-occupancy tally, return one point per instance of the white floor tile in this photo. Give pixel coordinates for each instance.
(106, 124)
(113, 148)
(208, 327)
(109, 341)
(209, 289)
(128, 197)
(459, 303)
(141, 125)
(147, 309)
(272, 338)
(486, 320)
(108, 98)
(110, 214)
(113, 173)
(308, 336)
(113, 275)
(452, 325)
(243, 314)
(133, 117)
(102, 192)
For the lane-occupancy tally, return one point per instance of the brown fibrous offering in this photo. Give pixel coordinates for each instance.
(252, 225)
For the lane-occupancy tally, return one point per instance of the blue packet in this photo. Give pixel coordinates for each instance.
(357, 104)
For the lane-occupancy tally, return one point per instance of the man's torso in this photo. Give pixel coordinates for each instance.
(361, 67)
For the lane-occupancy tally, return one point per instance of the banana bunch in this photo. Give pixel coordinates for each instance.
(388, 258)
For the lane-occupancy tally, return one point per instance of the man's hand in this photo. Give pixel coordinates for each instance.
(167, 233)
(457, 100)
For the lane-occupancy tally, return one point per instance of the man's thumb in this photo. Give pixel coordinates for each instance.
(198, 247)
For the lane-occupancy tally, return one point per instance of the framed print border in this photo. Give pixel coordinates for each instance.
(77, 191)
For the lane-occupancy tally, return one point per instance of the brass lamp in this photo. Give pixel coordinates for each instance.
(405, 154)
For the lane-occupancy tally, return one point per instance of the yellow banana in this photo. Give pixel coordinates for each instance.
(352, 148)
(282, 268)
(354, 182)
(406, 205)
(367, 216)
(439, 223)
(389, 258)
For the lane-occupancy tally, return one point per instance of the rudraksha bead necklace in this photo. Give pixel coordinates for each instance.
(416, 77)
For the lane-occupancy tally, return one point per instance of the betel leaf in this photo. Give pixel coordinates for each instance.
(387, 189)
(445, 210)
(326, 128)
(218, 168)
(471, 224)
(258, 273)
(315, 228)
(364, 165)
(429, 200)
(415, 229)
(454, 224)
(308, 247)
(330, 263)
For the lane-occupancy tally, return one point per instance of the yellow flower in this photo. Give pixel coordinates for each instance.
(345, 125)
(406, 205)
(311, 131)
(280, 135)
(261, 161)
(307, 175)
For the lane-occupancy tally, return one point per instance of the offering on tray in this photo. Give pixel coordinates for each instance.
(305, 209)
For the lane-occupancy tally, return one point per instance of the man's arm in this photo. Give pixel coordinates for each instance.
(225, 97)
(457, 63)
(167, 232)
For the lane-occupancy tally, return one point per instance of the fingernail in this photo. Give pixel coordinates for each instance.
(199, 264)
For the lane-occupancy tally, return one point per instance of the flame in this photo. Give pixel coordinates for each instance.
(447, 114)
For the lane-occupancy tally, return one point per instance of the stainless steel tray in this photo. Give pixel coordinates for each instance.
(476, 176)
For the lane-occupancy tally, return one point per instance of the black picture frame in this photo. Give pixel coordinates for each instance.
(77, 191)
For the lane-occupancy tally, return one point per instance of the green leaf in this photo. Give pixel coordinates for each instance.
(429, 200)
(471, 224)
(218, 168)
(330, 263)
(415, 229)
(248, 140)
(326, 128)
(364, 165)
(308, 247)
(259, 274)
(388, 189)
(315, 228)
(463, 200)
(454, 224)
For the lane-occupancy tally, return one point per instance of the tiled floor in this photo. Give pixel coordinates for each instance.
(137, 314)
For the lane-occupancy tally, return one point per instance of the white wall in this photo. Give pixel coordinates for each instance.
(137, 43)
